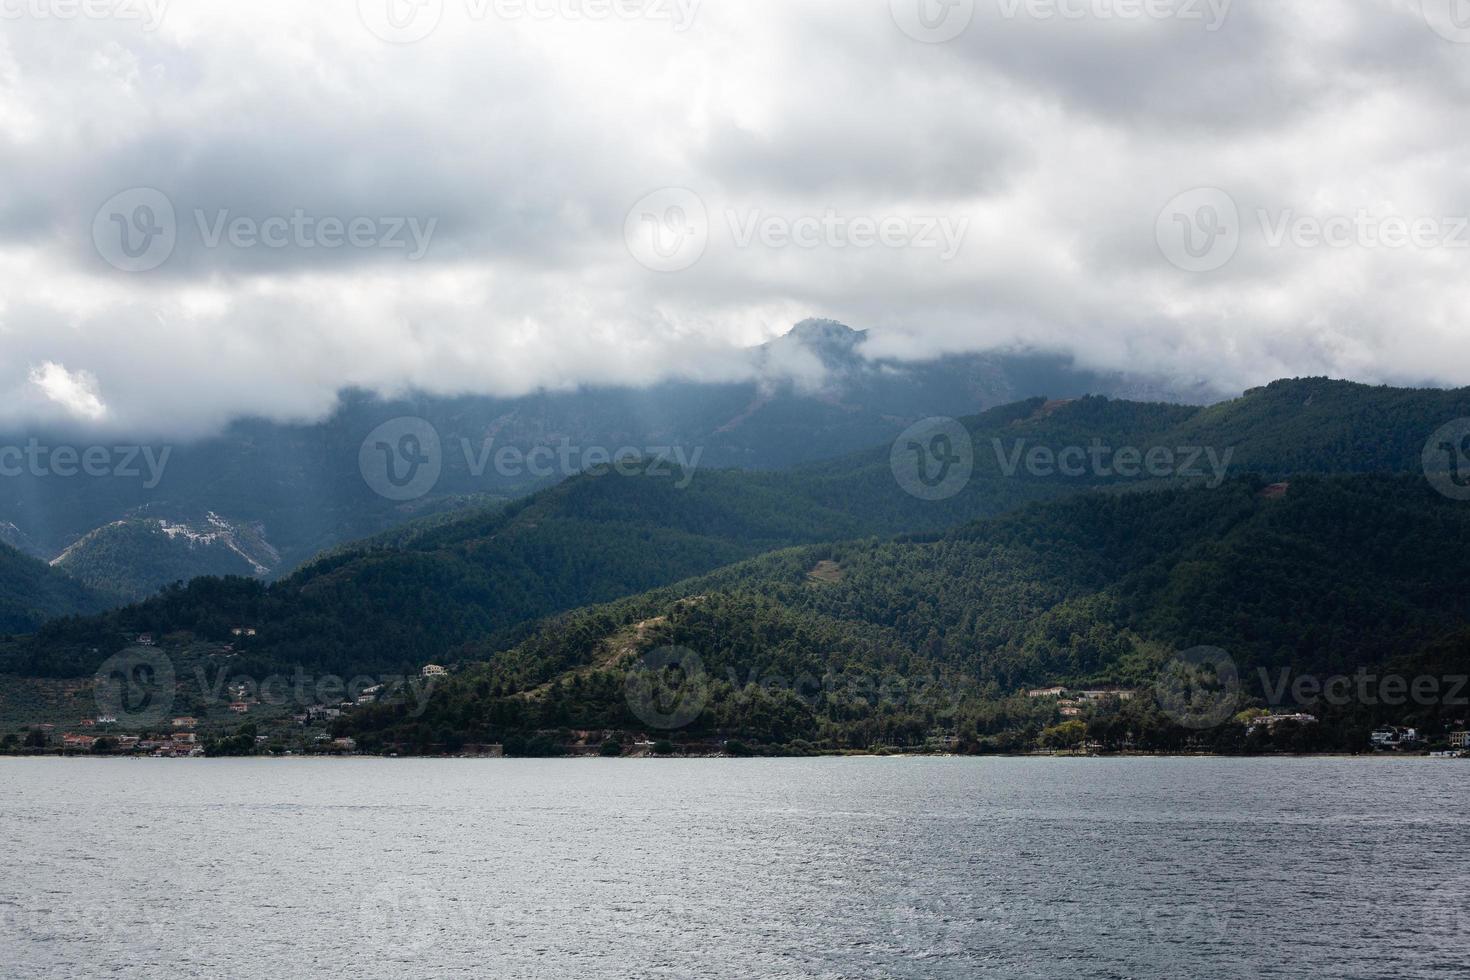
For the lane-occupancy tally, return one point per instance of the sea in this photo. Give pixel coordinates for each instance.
(760, 868)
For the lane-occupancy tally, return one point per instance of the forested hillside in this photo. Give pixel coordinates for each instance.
(31, 592)
(1096, 590)
(454, 589)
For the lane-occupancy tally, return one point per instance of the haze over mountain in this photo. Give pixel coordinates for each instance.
(263, 497)
(464, 587)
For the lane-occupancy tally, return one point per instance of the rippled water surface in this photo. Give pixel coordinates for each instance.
(722, 868)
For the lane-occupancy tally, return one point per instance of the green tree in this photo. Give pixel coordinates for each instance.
(1067, 735)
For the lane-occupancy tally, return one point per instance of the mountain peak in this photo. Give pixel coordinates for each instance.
(835, 344)
(814, 332)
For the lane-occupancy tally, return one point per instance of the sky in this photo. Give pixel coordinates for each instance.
(212, 209)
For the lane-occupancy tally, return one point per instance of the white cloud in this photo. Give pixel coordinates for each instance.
(529, 139)
(75, 392)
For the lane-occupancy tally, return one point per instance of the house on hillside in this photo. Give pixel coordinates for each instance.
(1269, 722)
(1105, 692)
(1393, 737)
(489, 751)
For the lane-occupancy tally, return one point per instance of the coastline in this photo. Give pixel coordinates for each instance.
(1099, 756)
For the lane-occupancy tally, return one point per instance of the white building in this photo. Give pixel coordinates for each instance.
(1271, 721)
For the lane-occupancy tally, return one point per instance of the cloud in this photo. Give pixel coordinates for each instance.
(76, 393)
(291, 152)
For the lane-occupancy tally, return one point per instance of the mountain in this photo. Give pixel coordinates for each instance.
(136, 557)
(881, 643)
(31, 593)
(304, 489)
(461, 588)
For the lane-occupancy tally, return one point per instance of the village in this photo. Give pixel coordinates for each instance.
(251, 728)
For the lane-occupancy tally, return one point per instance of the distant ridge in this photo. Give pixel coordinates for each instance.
(813, 395)
(449, 585)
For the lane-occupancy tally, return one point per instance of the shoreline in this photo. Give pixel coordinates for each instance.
(731, 758)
